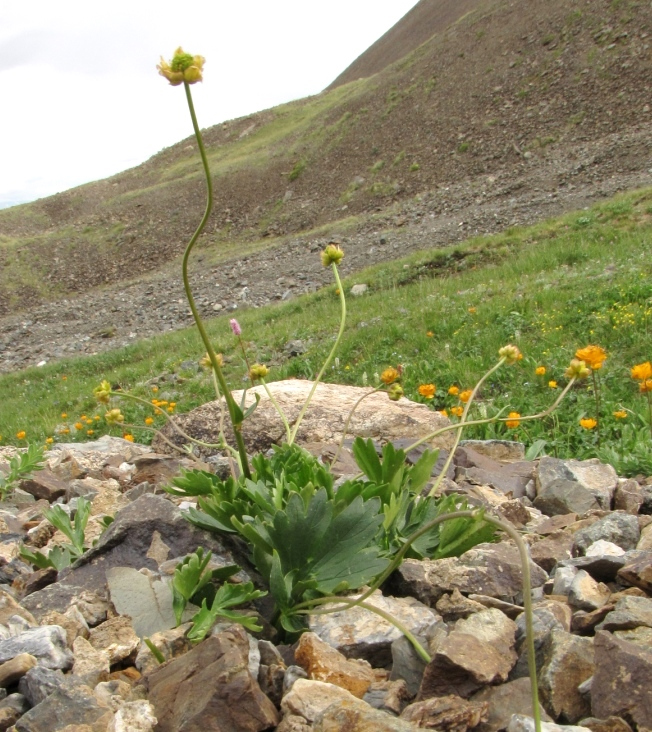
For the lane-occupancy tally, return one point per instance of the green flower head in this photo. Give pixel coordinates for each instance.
(183, 67)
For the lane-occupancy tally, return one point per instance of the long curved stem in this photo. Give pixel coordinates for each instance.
(304, 409)
(279, 410)
(340, 446)
(236, 422)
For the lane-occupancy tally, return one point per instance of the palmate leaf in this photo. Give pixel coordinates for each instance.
(189, 577)
(226, 597)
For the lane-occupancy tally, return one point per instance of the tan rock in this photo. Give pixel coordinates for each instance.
(324, 663)
(9, 607)
(91, 666)
(447, 713)
(72, 621)
(13, 670)
(356, 716)
(307, 699)
(116, 637)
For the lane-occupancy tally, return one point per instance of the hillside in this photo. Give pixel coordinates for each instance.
(539, 97)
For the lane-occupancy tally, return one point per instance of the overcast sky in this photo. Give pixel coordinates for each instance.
(81, 98)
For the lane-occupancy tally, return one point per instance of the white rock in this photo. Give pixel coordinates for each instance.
(308, 698)
(135, 716)
(603, 548)
(520, 723)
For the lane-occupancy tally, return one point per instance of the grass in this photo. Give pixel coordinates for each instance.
(443, 314)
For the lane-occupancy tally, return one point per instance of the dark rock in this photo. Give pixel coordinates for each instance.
(618, 528)
(637, 572)
(59, 597)
(628, 496)
(564, 496)
(555, 547)
(44, 484)
(12, 709)
(514, 697)
(39, 682)
(69, 705)
(630, 612)
(446, 713)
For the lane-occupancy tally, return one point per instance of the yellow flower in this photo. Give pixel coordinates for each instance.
(183, 67)
(114, 416)
(443, 412)
(170, 410)
(593, 356)
(513, 421)
(427, 390)
(466, 395)
(457, 411)
(128, 437)
(577, 369)
(64, 378)
(540, 370)
(552, 384)
(588, 423)
(65, 431)
(49, 440)
(645, 386)
(620, 414)
(642, 371)
(453, 390)
(149, 420)
(97, 417)
(430, 334)
(389, 375)
(102, 393)
(205, 362)
(173, 404)
(510, 353)
(90, 432)
(155, 389)
(473, 311)
(395, 392)
(162, 403)
(258, 371)
(63, 415)
(21, 435)
(79, 426)
(332, 254)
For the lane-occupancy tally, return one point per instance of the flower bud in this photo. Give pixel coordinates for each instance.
(183, 67)
(205, 362)
(258, 371)
(114, 416)
(103, 392)
(331, 255)
(395, 392)
(235, 327)
(577, 369)
(510, 353)
(390, 375)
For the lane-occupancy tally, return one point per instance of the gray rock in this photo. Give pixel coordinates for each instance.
(564, 496)
(618, 528)
(544, 622)
(503, 450)
(357, 716)
(47, 643)
(359, 289)
(514, 697)
(58, 598)
(586, 593)
(39, 682)
(446, 713)
(622, 682)
(12, 709)
(521, 723)
(134, 716)
(407, 664)
(603, 568)
(563, 580)
(637, 571)
(572, 486)
(628, 496)
(641, 635)
(630, 612)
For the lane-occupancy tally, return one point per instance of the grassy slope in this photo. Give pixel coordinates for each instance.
(552, 288)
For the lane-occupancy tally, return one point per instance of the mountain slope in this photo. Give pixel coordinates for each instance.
(541, 94)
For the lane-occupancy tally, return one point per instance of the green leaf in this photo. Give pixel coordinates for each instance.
(422, 470)
(280, 586)
(189, 577)
(226, 597)
(250, 410)
(367, 459)
(193, 483)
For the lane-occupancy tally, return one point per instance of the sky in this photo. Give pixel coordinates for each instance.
(80, 97)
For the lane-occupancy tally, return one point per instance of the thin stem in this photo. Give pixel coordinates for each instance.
(280, 411)
(304, 409)
(596, 394)
(163, 437)
(233, 409)
(348, 422)
(649, 409)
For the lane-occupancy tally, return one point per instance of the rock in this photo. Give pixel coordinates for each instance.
(9, 607)
(116, 636)
(556, 546)
(44, 484)
(12, 709)
(563, 580)
(39, 682)
(611, 724)
(637, 572)
(356, 716)
(455, 605)
(618, 528)
(171, 643)
(72, 621)
(587, 594)
(324, 663)
(603, 568)
(377, 417)
(645, 540)
(447, 714)
(91, 666)
(502, 450)
(490, 569)
(567, 662)
(389, 696)
(602, 548)
(134, 716)
(407, 665)
(71, 705)
(47, 643)
(628, 496)
(545, 619)
(521, 723)
(359, 633)
(293, 723)
(93, 606)
(13, 670)
(307, 699)
(642, 636)
(359, 289)
(112, 694)
(622, 682)
(514, 697)
(630, 612)
(211, 681)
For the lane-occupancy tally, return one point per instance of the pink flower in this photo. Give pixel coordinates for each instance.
(235, 327)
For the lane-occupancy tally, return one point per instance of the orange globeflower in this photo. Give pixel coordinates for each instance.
(443, 413)
(453, 390)
(389, 375)
(79, 426)
(466, 395)
(620, 414)
(540, 370)
(63, 415)
(149, 420)
(513, 421)
(49, 440)
(642, 371)
(427, 390)
(21, 435)
(593, 356)
(430, 334)
(645, 386)
(90, 432)
(552, 384)
(457, 411)
(129, 438)
(588, 423)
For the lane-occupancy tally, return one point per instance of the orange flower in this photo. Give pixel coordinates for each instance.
(620, 414)
(466, 395)
(49, 440)
(645, 386)
(453, 390)
(588, 423)
(473, 311)
(540, 370)
(642, 371)
(389, 375)
(155, 389)
(63, 415)
(128, 437)
(427, 390)
(430, 334)
(21, 435)
(593, 356)
(65, 431)
(443, 413)
(149, 420)
(79, 426)
(170, 409)
(90, 432)
(552, 384)
(457, 411)
(513, 421)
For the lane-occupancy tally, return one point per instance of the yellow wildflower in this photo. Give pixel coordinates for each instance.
(540, 370)
(332, 254)
(182, 67)
(63, 415)
(620, 414)
(389, 375)
(114, 416)
(128, 437)
(258, 371)
(552, 384)
(427, 390)
(593, 356)
(102, 393)
(588, 423)
(79, 426)
(473, 311)
(642, 371)
(430, 334)
(149, 420)
(443, 413)
(466, 395)
(49, 440)
(90, 432)
(513, 421)
(645, 386)
(453, 390)
(21, 435)
(457, 411)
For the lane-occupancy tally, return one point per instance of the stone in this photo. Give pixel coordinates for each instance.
(47, 643)
(359, 289)
(9, 607)
(116, 636)
(645, 540)
(171, 643)
(584, 623)
(545, 620)
(587, 594)
(407, 665)
(513, 697)
(602, 548)
(72, 621)
(307, 699)
(563, 496)
(628, 496)
(293, 723)
(455, 605)
(637, 572)
(573, 486)
(127, 542)
(112, 694)
(563, 580)
(521, 723)
(502, 450)
(547, 552)
(611, 724)
(630, 612)
(567, 662)
(70, 705)
(134, 716)
(622, 682)
(211, 682)
(356, 716)
(642, 635)
(91, 666)
(618, 528)
(324, 663)
(376, 417)
(39, 682)
(447, 713)
(603, 568)
(12, 709)
(359, 633)
(92, 605)
(490, 569)
(389, 696)
(13, 670)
